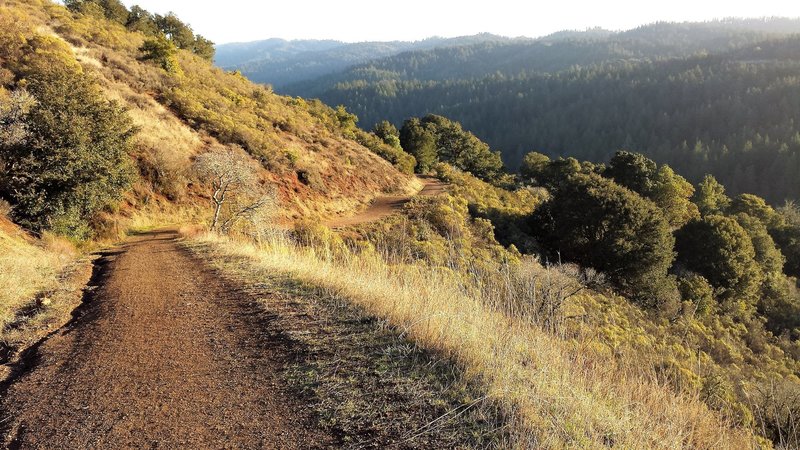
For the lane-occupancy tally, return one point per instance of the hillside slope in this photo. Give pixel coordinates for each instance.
(298, 145)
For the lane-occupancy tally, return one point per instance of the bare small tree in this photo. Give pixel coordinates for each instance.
(235, 191)
(13, 110)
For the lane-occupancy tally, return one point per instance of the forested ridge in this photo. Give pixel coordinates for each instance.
(281, 63)
(718, 98)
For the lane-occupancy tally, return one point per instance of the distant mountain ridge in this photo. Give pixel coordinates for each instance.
(281, 62)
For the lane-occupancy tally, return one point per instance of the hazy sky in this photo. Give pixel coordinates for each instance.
(362, 20)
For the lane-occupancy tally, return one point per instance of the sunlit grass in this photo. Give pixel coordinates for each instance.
(557, 394)
(26, 268)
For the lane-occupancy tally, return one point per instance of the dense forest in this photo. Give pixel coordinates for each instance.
(718, 98)
(280, 63)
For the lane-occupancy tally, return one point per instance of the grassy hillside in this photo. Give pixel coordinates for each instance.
(298, 145)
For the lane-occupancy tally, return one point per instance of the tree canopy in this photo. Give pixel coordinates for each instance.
(73, 159)
(595, 222)
(719, 249)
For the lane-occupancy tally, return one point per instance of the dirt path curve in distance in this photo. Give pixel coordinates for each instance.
(385, 206)
(163, 355)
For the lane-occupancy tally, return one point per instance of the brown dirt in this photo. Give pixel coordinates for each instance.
(162, 355)
(385, 206)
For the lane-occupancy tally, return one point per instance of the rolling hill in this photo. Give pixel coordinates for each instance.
(280, 63)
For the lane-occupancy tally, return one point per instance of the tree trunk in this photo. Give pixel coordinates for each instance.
(217, 210)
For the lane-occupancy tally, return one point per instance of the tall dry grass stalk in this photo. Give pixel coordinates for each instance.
(557, 393)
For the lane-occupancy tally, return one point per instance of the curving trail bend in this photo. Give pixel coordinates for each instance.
(385, 206)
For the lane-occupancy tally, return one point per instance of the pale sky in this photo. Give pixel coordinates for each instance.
(376, 20)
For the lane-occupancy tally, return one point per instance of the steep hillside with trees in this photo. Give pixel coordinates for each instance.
(97, 120)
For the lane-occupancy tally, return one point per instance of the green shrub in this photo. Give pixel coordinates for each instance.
(595, 222)
(401, 160)
(696, 289)
(75, 161)
(720, 250)
(163, 52)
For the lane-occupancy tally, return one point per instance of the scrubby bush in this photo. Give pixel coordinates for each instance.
(401, 160)
(507, 210)
(75, 160)
(720, 250)
(595, 222)
(696, 289)
(162, 52)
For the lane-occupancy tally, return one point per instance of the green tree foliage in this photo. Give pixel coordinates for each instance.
(155, 26)
(595, 222)
(710, 197)
(757, 207)
(669, 191)
(419, 142)
(14, 109)
(346, 121)
(533, 166)
(462, 149)
(75, 159)
(388, 133)
(672, 193)
(163, 52)
(634, 171)
(142, 21)
(787, 236)
(768, 256)
(203, 48)
(113, 10)
(780, 304)
(720, 250)
(175, 30)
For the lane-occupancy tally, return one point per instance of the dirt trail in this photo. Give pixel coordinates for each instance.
(385, 206)
(162, 355)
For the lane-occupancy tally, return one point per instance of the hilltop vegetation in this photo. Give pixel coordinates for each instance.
(717, 98)
(77, 93)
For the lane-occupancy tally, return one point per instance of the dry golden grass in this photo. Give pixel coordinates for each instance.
(27, 268)
(557, 394)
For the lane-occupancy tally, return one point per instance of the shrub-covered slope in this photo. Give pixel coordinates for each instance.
(160, 108)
